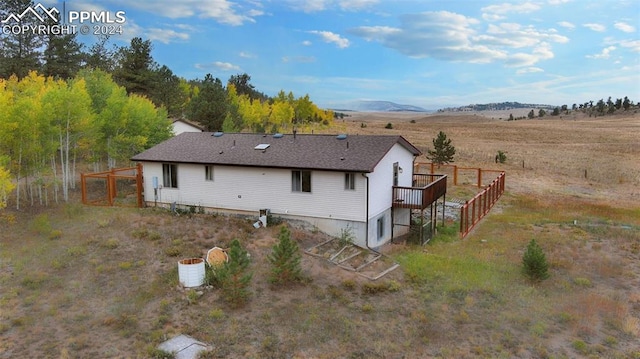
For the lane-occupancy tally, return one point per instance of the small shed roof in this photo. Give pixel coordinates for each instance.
(359, 153)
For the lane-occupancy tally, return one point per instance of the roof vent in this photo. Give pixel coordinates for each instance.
(342, 136)
(262, 146)
(218, 134)
(277, 135)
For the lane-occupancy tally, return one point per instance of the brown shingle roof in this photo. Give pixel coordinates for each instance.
(320, 152)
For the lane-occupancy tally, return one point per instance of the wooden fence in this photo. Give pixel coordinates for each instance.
(476, 208)
(107, 195)
(473, 210)
(456, 172)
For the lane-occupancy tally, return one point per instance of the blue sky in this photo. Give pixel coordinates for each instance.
(424, 53)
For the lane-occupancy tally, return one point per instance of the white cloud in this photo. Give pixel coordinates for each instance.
(246, 55)
(309, 6)
(633, 45)
(595, 27)
(453, 37)
(492, 17)
(521, 59)
(605, 54)
(529, 70)
(498, 11)
(165, 35)
(567, 25)
(376, 33)
(330, 37)
(306, 43)
(219, 65)
(353, 5)
(223, 11)
(623, 26)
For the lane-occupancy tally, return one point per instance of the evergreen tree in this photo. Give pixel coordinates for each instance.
(443, 151)
(285, 259)
(531, 114)
(166, 91)
(100, 56)
(244, 87)
(135, 68)
(535, 263)
(209, 106)
(63, 55)
(234, 277)
(19, 52)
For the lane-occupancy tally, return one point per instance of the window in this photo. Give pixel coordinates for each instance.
(349, 181)
(169, 175)
(301, 181)
(208, 173)
(380, 223)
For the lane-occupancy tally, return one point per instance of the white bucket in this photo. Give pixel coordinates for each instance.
(191, 272)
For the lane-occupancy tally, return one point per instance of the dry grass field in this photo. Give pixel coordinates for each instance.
(88, 282)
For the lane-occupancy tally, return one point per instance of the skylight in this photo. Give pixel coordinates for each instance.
(262, 146)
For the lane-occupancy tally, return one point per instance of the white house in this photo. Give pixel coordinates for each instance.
(360, 183)
(180, 126)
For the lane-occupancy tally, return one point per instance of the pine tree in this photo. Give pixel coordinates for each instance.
(234, 277)
(535, 263)
(285, 259)
(19, 52)
(209, 107)
(62, 56)
(443, 151)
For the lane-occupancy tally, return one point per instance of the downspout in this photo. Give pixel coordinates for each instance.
(366, 229)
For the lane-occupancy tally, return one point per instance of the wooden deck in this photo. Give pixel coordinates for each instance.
(427, 188)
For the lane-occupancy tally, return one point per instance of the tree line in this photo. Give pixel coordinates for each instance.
(601, 108)
(63, 104)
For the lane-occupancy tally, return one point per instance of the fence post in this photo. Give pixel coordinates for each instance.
(479, 177)
(83, 188)
(139, 184)
(455, 175)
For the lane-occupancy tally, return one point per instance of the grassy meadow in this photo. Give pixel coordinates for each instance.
(94, 282)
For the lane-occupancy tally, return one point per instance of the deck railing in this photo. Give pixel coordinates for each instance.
(426, 189)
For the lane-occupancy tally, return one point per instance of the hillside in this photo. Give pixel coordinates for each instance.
(378, 106)
(498, 106)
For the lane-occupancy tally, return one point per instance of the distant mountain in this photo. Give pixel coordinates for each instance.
(496, 107)
(378, 106)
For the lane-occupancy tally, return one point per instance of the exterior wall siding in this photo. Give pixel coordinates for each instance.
(251, 189)
(180, 127)
(380, 191)
(329, 206)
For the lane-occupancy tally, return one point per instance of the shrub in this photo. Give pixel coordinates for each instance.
(55, 234)
(501, 157)
(346, 237)
(285, 259)
(234, 277)
(388, 126)
(536, 267)
(40, 224)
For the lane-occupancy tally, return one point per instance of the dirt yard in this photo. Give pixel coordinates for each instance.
(90, 282)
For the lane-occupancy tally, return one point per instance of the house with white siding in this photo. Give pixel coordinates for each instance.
(362, 183)
(179, 126)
